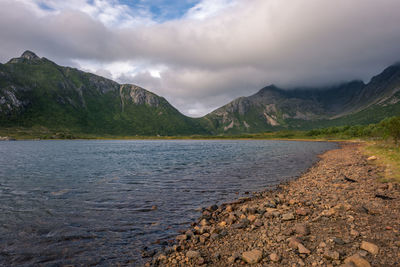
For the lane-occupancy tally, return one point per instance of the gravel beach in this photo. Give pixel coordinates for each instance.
(335, 214)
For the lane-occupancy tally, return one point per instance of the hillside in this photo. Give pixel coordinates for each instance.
(273, 108)
(37, 92)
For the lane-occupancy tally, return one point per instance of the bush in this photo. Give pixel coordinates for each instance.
(392, 128)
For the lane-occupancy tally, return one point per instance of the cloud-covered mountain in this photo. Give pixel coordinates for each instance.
(273, 108)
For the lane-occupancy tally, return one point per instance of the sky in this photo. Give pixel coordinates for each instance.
(201, 54)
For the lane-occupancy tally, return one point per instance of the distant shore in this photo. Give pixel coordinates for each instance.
(337, 213)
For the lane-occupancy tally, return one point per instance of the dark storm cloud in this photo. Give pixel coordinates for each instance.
(221, 49)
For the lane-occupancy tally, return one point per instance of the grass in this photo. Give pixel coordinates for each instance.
(388, 156)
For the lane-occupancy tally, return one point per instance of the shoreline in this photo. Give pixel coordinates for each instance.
(335, 213)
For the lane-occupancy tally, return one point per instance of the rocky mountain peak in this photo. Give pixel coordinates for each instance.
(29, 55)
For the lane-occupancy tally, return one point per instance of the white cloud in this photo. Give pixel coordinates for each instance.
(219, 50)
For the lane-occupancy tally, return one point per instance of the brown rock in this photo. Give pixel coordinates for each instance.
(302, 249)
(253, 256)
(203, 222)
(287, 216)
(274, 257)
(331, 255)
(181, 237)
(357, 260)
(370, 247)
(372, 158)
(302, 211)
(222, 224)
(302, 229)
(251, 218)
(354, 233)
(294, 242)
(191, 254)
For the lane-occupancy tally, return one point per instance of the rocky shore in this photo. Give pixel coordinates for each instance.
(336, 214)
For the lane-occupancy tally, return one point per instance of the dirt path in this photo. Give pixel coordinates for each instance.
(336, 214)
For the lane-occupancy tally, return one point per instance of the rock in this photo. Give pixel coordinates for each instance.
(370, 247)
(214, 236)
(331, 255)
(274, 257)
(357, 260)
(200, 261)
(354, 233)
(203, 222)
(372, 158)
(302, 249)
(253, 256)
(294, 242)
(338, 241)
(181, 237)
(191, 254)
(287, 216)
(302, 212)
(222, 224)
(302, 229)
(229, 208)
(251, 218)
(258, 223)
(329, 213)
(212, 208)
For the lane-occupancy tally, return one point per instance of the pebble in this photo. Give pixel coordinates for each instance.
(302, 229)
(357, 260)
(287, 216)
(192, 254)
(331, 255)
(253, 256)
(181, 237)
(274, 257)
(370, 247)
(302, 249)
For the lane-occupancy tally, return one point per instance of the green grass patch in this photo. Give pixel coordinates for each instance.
(388, 155)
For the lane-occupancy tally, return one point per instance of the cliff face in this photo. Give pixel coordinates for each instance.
(36, 91)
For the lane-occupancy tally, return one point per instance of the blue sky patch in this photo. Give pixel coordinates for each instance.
(162, 10)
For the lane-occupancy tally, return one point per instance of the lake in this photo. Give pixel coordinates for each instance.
(100, 202)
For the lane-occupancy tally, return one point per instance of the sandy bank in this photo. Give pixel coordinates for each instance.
(336, 214)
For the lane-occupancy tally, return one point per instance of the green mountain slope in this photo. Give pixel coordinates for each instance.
(36, 91)
(273, 108)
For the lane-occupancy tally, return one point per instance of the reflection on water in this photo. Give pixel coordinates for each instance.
(100, 202)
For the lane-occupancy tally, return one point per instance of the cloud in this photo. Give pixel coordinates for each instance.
(217, 51)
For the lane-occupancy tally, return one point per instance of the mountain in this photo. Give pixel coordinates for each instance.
(273, 108)
(37, 92)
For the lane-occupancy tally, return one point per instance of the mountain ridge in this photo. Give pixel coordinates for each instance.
(37, 91)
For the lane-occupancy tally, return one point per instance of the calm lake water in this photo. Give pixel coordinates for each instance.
(90, 202)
